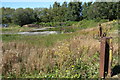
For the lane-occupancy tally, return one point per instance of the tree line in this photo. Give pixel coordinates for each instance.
(72, 11)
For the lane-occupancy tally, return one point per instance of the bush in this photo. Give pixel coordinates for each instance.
(56, 24)
(89, 23)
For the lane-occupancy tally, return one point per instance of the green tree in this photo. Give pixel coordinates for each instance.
(113, 8)
(37, 12)
(56, 12)
(24, 16)
(74, 11)
(60, 13)
(45, 15)
(64, 9)
(56, 5)
(102, 10)
(85, 8)
(7, 15)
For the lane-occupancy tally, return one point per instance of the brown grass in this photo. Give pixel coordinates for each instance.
(20, 58)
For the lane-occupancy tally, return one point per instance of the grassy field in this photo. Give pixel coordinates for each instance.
(48, 40)
(67, 55)
(36, 40)
(14, 29)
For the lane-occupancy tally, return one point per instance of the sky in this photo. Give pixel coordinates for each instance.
(39, 3)
(32, 3)
(27, 4)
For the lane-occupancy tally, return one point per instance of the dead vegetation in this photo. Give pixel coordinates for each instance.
(66, 59)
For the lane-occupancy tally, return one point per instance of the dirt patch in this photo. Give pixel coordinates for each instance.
(31, 25)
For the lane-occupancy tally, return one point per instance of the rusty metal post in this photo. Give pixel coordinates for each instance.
(105, 57)
(102, 57)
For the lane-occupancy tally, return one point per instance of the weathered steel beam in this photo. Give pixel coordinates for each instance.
(105, 57)
(102, 57)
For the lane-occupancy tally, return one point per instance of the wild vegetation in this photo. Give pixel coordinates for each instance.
(58, 15)
(47, 40)
(74, 53)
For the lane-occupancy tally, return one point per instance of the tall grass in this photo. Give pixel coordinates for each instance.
(70, 55)
(77, 57)
(36, 40)
(65, 59)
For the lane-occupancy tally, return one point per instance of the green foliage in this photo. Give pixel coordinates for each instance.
(45, 15)
(50, 39)
(72, 11)
(116, 25)
(15, 28)
(89, 23)
(7, 14)
(56, 5)
(24, 16)
(53, 56)
(57, 24)
(43, 41)
(103, 10)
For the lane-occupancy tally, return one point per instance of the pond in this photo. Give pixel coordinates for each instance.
(40, 31)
